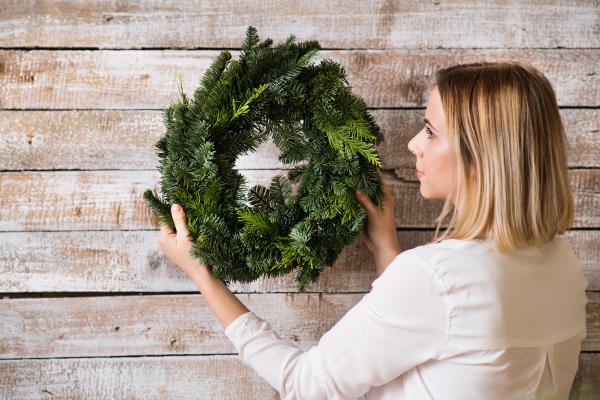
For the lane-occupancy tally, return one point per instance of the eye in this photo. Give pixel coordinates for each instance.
(430, 134)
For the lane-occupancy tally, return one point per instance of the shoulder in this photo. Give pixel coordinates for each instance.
(444, 253)
(454, 265)
(422, 265)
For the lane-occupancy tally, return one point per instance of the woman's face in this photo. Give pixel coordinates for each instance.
(430, 145)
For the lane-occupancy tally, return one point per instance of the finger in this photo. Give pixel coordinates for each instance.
(166, 230)
(385, 186)
(165, 235)
(179, 219)
(366, 202)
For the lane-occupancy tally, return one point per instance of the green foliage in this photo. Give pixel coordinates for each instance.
(308, 109)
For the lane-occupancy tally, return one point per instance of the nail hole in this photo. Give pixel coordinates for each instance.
(145, 330)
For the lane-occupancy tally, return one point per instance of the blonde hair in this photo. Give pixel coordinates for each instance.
(506, 136)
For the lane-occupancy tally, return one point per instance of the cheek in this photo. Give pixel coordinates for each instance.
(442, 163)
(434, 153)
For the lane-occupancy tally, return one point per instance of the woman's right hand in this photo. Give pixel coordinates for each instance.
(379, 232)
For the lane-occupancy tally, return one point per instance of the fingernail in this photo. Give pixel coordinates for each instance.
(176, 209)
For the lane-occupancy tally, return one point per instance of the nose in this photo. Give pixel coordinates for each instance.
(414, 146)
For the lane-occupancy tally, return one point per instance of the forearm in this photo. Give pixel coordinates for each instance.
(384, 258)
(220, 299)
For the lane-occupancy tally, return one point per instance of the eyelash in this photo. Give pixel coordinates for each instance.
(428, 131)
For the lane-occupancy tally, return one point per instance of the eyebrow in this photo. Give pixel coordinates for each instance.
(429, 122)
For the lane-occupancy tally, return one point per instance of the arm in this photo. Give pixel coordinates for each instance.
(223, 303)
(379, 232)
(385, 257)
(176, 246)
(403, 322)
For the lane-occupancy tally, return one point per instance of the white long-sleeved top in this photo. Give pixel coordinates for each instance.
(450, 320)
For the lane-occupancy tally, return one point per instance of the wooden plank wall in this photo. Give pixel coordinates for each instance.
(90, 308)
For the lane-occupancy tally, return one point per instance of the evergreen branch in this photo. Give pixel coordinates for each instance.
(211, 77)
(281, 190)
(260, 197)
(251, 39)
(257, 221)
(246, 106)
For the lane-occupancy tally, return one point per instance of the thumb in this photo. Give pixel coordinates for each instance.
(179, 219)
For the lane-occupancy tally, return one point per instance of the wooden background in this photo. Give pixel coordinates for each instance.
(90, 308)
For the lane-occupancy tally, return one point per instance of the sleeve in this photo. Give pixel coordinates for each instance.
(402, 322)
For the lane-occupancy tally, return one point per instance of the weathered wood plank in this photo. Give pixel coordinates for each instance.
(175, 324)
(592, 341)
(193, 377)
(586, 246)
(91, 200)
(124, 139)
(82, 200)
(586, 194)
(104, 139)
(128, 261)
(107, 200)
(154, 325)
(586, 385)
(107, 79)
(367, 24)
(201, 377)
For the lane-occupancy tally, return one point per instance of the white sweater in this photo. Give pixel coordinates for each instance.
(450, 320)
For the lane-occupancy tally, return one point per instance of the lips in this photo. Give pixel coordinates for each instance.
(420, 173)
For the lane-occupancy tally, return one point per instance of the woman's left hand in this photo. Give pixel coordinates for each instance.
(177, 246)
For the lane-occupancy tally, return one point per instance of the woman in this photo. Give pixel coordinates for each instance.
(492, 309)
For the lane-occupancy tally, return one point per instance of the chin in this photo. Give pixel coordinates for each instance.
(429, 195)
(425, 193)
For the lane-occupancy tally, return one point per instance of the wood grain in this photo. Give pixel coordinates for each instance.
(90, 200)
(131, 79)
(112, 200)
(586, 193)
(86, 140)
(124, 139)
(586, 385)
(365, 24)
(192, 377)
(128, 261)
(84, 233)
(81, 200)
(155, 325)
(200, 377)
(586, 246)
(175, 324)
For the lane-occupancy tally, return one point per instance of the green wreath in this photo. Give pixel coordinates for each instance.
(313, 118)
